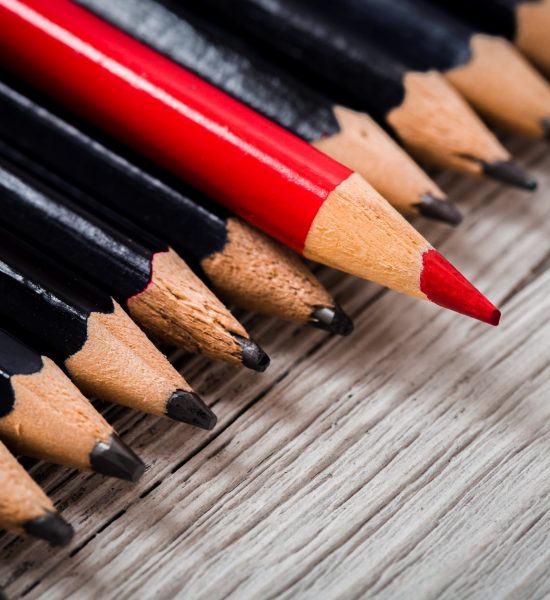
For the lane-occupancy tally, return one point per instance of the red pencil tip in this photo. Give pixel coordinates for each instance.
(445, 286)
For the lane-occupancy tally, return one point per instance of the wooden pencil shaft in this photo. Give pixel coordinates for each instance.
(43, 303)
(61, 228)
(486, 70)
(320, 42)
(415, 32)
(297, 197)
(27, 116)
(498, 17)
(142, 240)
(230, 253)
(423, 35)
(159, 290)
(240, 69)
(229, 62)
(15, 359)
(268, 177)
(113, 177)
(275, 180)
(306, 37)
(525, 23)
(494, 17)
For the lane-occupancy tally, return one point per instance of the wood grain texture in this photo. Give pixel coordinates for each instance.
(410, 460)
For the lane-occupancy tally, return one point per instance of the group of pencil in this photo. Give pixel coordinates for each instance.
(157, 153)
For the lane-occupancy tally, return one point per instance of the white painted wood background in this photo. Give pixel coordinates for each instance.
(411, 460)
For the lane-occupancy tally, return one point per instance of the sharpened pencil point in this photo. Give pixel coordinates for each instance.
(438, 210)
(332, 319)
(445, 286)
(508, 172)
(50, 527)
(116, 459)
(189, 408)
(253, 356)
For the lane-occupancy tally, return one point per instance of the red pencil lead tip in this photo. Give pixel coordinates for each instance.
(445, 286)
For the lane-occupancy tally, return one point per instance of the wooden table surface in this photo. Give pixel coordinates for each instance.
(410, 460)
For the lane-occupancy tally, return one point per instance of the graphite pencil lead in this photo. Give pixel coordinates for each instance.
(116, 459)
(253, 356)
(188, 407)
(332, 319)
(447, 287)
(507, 171)
(439, 210)
(50, 527)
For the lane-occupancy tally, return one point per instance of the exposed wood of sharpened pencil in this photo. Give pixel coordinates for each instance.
(238, 68)
(281, 184)
(43, 415)
(487, 70)
(24, 508)
(526, 23)
(246, 267)
(533, 31)
(503, 87)
(363, 146)
(430, 117)
(158, 288)
(104, 352)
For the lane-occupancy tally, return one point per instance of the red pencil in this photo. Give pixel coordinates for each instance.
(257, 169)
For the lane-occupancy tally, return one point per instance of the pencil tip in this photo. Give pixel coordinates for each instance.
(507, 171)
(437, 209)
(332, 319)
(445, 286)
(116, 459)
(188, 407)
(50, 527)
(253, 356)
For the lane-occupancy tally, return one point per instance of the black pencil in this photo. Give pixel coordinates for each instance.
(487, 70)
(24, 508)
(159, 290)
(526, 23)
(104, 352)
(245, 266)
(43, 415)
(315, 41)
(237, 67)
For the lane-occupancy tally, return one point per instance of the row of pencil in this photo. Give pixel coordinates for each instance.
(143, 172)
